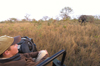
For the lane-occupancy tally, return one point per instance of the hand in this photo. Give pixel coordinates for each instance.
(44, 51)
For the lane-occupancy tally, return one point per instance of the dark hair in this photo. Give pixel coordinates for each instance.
(4, 51)
(1, 55)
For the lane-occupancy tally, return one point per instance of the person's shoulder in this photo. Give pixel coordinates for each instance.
(20, 62)
(1, 64)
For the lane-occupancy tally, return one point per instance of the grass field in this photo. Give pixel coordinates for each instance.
(82, 43)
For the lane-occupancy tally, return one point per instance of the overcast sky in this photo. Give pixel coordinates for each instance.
(51, 8)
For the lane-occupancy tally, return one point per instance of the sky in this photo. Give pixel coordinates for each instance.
(51, 8)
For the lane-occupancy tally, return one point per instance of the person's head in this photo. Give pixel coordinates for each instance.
(8, 46)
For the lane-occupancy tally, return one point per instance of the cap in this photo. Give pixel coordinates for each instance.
(7, 41)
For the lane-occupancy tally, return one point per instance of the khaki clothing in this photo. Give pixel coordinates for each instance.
(25, 59)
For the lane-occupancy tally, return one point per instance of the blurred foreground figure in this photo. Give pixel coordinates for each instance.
(9, 55)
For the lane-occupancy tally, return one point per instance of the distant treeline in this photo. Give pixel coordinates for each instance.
(82, 19)
(64, 15)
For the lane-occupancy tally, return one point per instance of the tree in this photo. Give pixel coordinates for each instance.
(13, 20)
(33, 19)
(23, 20)
(65, 12)
(27, 17)
(45, 18)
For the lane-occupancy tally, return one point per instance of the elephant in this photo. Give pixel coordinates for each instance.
(86, 18)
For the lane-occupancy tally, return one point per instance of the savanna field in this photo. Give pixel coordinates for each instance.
(81, 42)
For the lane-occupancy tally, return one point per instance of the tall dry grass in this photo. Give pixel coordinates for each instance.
(82, 43)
